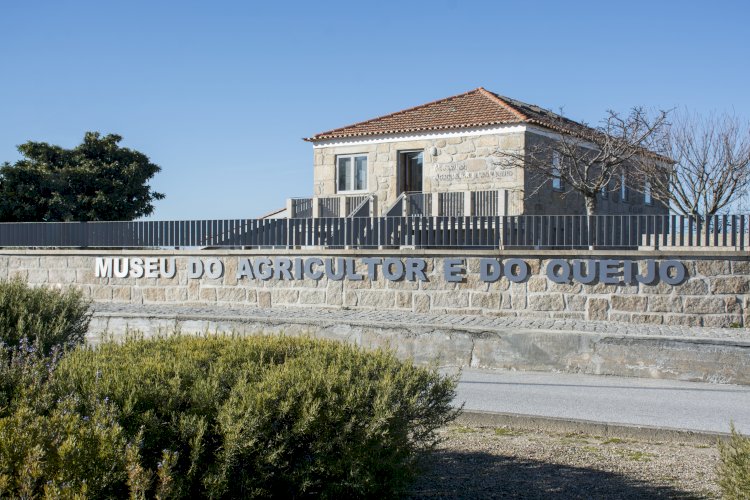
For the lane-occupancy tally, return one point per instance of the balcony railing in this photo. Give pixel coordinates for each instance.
(331, 206)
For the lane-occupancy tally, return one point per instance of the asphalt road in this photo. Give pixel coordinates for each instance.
(636, 401)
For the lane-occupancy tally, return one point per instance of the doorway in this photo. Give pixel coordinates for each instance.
(410, 171)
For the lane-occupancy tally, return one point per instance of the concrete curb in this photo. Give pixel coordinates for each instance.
(604, 429)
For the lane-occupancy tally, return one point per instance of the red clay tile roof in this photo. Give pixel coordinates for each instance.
(476, 108)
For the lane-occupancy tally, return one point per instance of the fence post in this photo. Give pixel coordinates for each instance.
(346, 234)
(84, 234)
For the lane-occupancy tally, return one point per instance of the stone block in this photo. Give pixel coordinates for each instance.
(122, 294)
(421, 303)
(663, 303)
(37, 276)
(683, 320)
(284, 296)
(629, 303)
(53, 263)
(450, 300)
(335, 296)
(314, 296)
(653, 319)
(176, 294)
(741, 267)
(232, 294)
(399, 285)
(535, 266)
(598, 309)
(547, 302)
(81, 262)
(704, 305)
(731, 285)
(620, 317)
(487, 140)
(350, 298)
(264, 299)
(722, 320)
(733, 305)
(501, 285)
(661, 288)
(101, 293)
(404, 300)
(466, 147)
(564, 287)
(537, 284)
(690, 287)
(575, 302)
(516, 300)
(207, 294)
(377, 298)
(194, 289)
(87, 276)
(485, 300)
(600, 289)
(153, 294)
(712, 267)
(230, 271)
(23, 262)
(62, 276)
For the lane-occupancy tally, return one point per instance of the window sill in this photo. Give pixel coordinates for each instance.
(343, 193)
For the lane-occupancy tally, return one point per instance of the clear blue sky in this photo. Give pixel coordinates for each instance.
(219, 94)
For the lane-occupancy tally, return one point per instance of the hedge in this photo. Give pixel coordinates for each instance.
(222, 417)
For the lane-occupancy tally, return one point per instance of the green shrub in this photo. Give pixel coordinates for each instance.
(46, 317)
(734, 467)
(224, 417)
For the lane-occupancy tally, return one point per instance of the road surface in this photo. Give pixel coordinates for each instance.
(634, 401)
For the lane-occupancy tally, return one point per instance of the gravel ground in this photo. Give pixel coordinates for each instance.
(505, 463)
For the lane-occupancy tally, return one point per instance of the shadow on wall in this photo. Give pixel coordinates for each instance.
(482, 475)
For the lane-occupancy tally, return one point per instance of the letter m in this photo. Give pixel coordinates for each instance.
(103, 267)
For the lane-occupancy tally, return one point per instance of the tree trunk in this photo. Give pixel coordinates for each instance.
(590, 205)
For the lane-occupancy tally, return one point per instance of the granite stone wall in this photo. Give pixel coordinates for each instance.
(716, 291)
(460, 163)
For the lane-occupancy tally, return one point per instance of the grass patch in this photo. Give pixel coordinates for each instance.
(507, 431)
(635, 455)
(613, 441)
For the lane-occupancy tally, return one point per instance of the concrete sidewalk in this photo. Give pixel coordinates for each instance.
(690, 406)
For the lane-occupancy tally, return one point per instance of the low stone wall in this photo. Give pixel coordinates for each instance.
(714, 291)
(691, 354)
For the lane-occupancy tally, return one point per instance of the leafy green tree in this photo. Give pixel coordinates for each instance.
(96, 180)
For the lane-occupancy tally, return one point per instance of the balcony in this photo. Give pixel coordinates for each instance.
(436, 204)
(332, 206)
(454, 204)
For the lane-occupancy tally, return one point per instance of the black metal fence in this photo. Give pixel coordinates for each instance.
(524, 231)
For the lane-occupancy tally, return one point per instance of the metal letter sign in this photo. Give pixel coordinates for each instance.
(454, 269)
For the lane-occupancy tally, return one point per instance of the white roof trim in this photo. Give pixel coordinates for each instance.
(419, 136)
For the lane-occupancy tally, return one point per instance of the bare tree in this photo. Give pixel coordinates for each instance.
(588, 161)
(711, 169)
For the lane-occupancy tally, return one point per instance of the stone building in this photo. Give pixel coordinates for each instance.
(448, 157)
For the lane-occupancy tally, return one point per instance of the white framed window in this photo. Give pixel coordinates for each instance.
(351, 173)
(648, 199)
(557, 183)
(623, 188)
